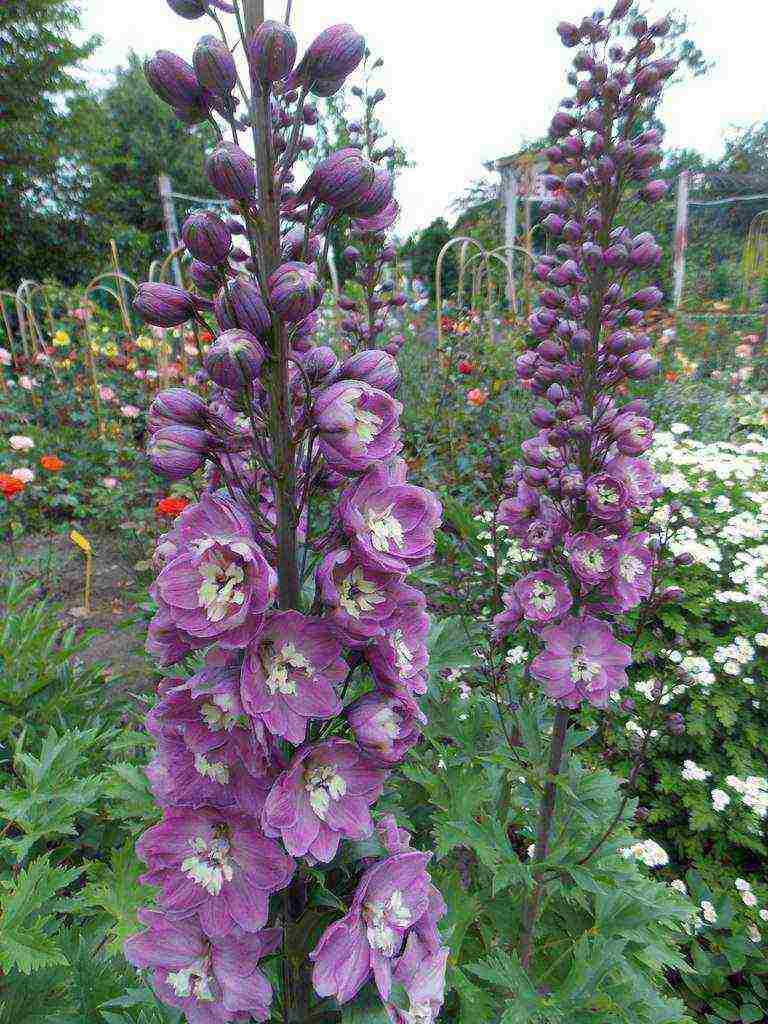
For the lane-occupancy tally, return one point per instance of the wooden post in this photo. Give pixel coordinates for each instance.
(681, 237)
(171, 224)
(509, 189)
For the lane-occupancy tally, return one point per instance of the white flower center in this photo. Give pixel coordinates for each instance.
(403, 653)
(357, 595)
(607, 495)
(384, 528)
(381, 920)
(592, 560)
(218, 715)
(385, 719)
(281, 665)
(420, 1013)
(630, 568)
(543, 596)
(209, 866)
(324, 783)
(221, 583)
(583, 670)
(367, 425)
(192, 981)
(217, 771)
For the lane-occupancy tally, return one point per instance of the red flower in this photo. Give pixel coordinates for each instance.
(52, 463)
(465, 366)
(9, 485)
(171, 507)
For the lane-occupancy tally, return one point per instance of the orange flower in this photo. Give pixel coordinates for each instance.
(10, 485)
(52, 463)
(671, 375)
(171, 507)
(477, 397)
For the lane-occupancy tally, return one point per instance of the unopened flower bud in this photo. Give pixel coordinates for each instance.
(234, 359)
(215, 66)
(163, 305)
(207, 237)
(272, 51)
(231, 172)
(239, 304)
(295, 291)
(177, 406)
(172, 79)
(177, 452)
(676, 724)
(333, 55)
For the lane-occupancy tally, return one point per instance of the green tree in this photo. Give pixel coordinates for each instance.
(38, 59)
(423, 248)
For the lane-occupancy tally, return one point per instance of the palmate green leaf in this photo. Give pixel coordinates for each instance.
(449, 647)
(115, 889)
(28, 949)
(476, 1005)
(506, 972)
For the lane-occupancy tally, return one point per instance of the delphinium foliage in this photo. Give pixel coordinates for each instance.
(274, 748)
(583, 489)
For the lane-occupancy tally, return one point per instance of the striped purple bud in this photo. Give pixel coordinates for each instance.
(177, 452)
(207, 237)
(215, 66)
(173, 80)
(341, 180)
(294, 291)
(334, 54)
(239, 304)
(176, 406)
(234, 359)
(272, 51)
(163, 305)
(231, 172)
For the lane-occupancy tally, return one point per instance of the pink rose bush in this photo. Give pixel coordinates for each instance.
(300, 648)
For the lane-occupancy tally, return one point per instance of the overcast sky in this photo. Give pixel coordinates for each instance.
(469, 82)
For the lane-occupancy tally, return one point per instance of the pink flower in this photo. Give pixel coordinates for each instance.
(21, 443)
(106, 394)
(26, 476)
(5, 357)
(130, 411)
(582, 660)
(27, 382)
(110, 482)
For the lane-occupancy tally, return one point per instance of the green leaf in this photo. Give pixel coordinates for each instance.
(366, 1009)
(751, 1014)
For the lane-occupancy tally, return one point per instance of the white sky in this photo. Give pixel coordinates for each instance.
(468, 82)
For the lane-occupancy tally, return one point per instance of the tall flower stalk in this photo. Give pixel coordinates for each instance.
(273, 748)
(583, 488)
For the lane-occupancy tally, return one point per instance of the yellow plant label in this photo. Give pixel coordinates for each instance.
(83, 543)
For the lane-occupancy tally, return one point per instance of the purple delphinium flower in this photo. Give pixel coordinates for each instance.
(322, 797)
(399, 658)
(357, 424)
(220, 778)
(591, 557)
(290, 673)
(544, 596)
(641, 483)
(389, 900)
(218, 583)
(506, 622)
(215, 864)
(519, 512)
(361, 599)
(390, 524)
(632, 578)
(211, 981)
(386, 726)
(421, 972)
(607, 497)
(582, 660)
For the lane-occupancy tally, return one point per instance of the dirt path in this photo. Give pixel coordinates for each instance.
(57, 567)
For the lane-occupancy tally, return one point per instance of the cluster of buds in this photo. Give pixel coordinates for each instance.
(583, 480)
(270, 755)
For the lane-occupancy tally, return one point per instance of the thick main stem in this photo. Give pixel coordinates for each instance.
(543, 836)
(297, 987)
